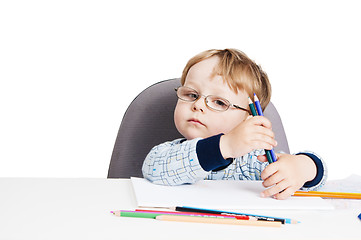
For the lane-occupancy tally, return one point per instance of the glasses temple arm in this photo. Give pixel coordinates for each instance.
(241, 108)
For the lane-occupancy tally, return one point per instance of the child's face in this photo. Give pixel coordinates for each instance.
(195, 119)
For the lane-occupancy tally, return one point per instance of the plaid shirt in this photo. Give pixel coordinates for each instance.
(176, 163)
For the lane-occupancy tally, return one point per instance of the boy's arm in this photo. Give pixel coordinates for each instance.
(173, 163)
(209, 154)
(321, 174)
(180, 161)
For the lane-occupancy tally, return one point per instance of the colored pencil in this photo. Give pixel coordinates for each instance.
(153, 215)
(259, 217)
(240, 217)
(260, 113)
(251, 106)
(126, 213)
(328, 194)
(179, 218)
(254, 113)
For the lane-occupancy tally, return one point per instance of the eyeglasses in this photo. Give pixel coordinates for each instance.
(213, 102)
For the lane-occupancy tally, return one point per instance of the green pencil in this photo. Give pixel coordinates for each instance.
(135, 214)
(251, 106)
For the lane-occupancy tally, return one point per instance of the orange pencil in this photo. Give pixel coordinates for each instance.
(328, 194)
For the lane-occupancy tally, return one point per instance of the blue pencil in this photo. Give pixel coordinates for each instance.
(260, 113)
(261, 217)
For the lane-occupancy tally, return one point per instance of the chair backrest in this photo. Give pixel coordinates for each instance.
(148, 122)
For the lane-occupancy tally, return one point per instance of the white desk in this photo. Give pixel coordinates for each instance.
(50, 208)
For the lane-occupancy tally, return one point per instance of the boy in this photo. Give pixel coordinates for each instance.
(222, 140)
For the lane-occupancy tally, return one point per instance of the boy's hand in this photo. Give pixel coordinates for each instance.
(253, 133)
(286, 175)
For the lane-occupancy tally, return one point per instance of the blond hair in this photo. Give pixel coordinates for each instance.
(238, 71)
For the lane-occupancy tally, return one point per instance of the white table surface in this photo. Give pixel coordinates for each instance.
(79, 208)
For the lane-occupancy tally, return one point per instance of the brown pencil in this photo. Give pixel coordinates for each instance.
(180, 218)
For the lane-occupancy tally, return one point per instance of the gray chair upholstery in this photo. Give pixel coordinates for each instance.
(148, 122)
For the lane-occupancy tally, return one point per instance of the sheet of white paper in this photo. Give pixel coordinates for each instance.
(226, 195)
(350, 184)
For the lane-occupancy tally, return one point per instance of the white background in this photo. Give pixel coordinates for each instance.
(70, 68)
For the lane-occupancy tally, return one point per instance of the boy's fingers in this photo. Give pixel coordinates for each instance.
(284, 194)
(266, 141)
(262, 158)
(265, 131)
(258, 144)
(262, 121)
(273, 180)
(279, 187)
(269, 170)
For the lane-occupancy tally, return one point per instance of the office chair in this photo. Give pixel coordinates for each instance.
(148, 121)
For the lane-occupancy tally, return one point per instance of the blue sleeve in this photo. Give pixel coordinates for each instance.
(209, 155)
(321, 170)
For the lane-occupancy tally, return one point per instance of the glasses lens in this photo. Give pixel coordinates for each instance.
(187, 94)
(217, 103)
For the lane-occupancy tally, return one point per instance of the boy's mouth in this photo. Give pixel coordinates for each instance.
(195, 121)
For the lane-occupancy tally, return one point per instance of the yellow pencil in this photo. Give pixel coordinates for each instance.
(180, 218)
(328, 194)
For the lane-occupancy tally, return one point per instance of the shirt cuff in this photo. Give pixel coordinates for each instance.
(320, 169)
(209, 154)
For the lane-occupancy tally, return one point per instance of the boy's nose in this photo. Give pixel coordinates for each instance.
(198, 105)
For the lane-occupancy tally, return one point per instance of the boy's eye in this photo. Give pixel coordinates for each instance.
(220, 103)
(191, 95)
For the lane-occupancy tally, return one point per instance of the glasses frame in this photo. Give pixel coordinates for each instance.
(206, 102)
